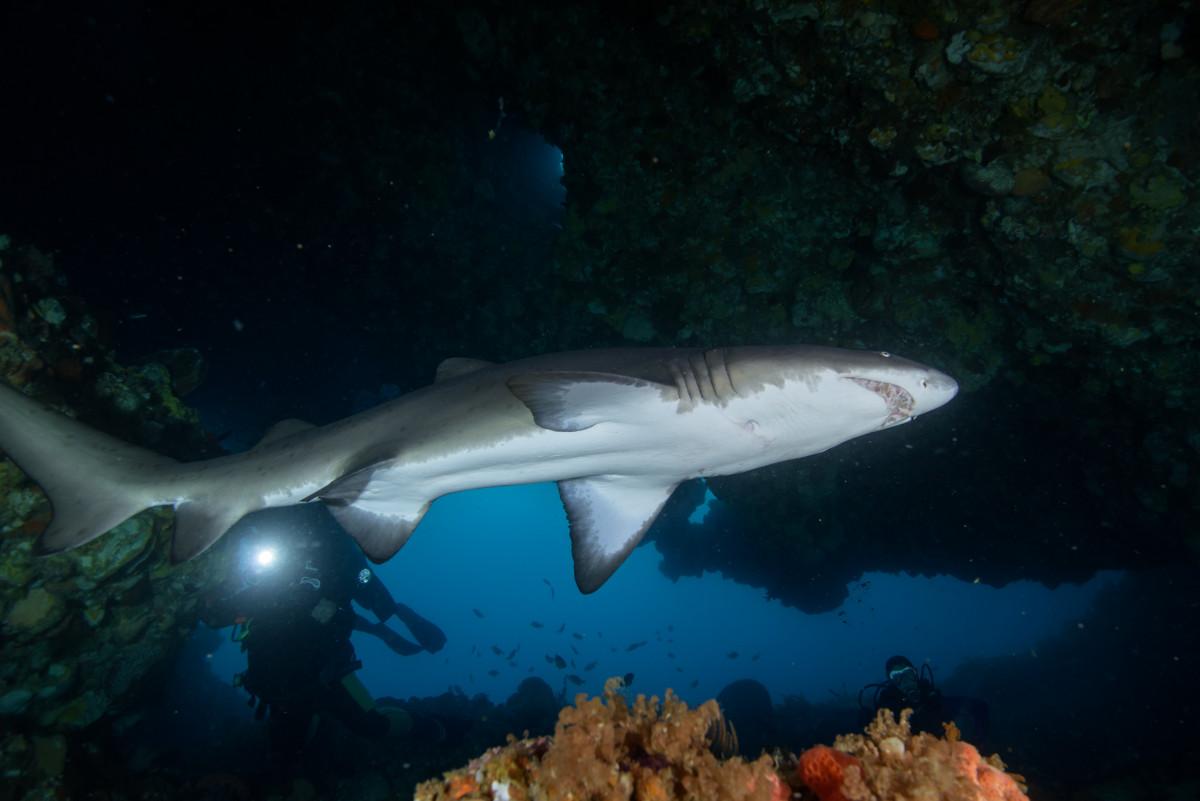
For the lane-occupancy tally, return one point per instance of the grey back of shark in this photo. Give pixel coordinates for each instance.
(617, 429)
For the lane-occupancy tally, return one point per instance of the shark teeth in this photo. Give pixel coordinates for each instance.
(899, 401)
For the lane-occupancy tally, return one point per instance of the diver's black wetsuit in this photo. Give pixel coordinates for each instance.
(298, 620)
(926, 704)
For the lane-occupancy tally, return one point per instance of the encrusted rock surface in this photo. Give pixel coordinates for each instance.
(83, 630)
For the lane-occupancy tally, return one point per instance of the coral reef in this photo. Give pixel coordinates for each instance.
(889, 761)
(607, 749)
(603, 749)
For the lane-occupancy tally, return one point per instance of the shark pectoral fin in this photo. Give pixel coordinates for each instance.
(608, 516)
(366, 505)
(198, 524)
(574, 401)
(458, 365)
(284, 428)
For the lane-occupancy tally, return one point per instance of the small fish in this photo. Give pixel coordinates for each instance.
(576, 680)
(497, 650)
(574, 650)
(670, 627)
(549, 659)
(633, 646)
(670, 654)
(546, 581)
(695, 683)
(577, 635)
(493, 673)
(628, 678)
(732, 654)
(589, 666)
(474, 650)
(561, 628)
(559, 662)
(678, 669)
(477, 612)
(471, 677)
(513, 653)
(755, 657)
(537, 624)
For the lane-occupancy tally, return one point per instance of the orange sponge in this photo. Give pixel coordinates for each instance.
(822, 769)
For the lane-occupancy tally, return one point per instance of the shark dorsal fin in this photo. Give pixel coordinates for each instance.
(458, 365)
(284, 428)
(575, 401)
(608, 517)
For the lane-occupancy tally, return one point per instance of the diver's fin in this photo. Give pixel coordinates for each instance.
(284, 428)
(458, 365)
(574, 401)
(198, 524)
(608, 516)
(379, 523)
(94, 481)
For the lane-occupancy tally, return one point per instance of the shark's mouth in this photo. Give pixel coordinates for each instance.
(899, 401)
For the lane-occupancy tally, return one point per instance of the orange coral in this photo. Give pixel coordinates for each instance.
(605, 749)
(822, 770)
(889, 761)
(993, 783)
(460, 786)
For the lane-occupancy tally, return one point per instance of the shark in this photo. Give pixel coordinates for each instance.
(617, 429)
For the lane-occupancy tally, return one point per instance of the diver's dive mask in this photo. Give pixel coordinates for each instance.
(905, 680)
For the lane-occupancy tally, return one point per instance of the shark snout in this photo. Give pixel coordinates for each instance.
(939, 389)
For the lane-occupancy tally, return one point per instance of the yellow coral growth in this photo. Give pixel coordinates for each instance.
(603, 749)
(892, 762)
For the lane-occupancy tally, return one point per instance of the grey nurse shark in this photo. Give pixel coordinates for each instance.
(617, 429)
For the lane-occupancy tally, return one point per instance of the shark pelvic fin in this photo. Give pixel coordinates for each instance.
(379, 520)
(198, 524)
(281, 430)
(458, 365)
(575, 401)
(608, 516)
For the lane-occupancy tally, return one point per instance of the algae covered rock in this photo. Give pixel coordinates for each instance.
(39, 611)
(119, 591)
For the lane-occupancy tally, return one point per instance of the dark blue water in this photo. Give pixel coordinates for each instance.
(505, 552)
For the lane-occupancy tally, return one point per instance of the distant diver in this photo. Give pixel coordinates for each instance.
(908, 688)
(290, 597)
(618, 429)
(905, 688)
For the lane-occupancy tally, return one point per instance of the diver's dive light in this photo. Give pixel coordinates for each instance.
(265, 557)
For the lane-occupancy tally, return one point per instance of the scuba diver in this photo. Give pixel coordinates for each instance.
(905, 688)
(290, 600)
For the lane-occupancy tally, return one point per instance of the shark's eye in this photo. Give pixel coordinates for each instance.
(924, 384)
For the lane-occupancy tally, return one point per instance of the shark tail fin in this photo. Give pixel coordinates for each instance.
(94, 481)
